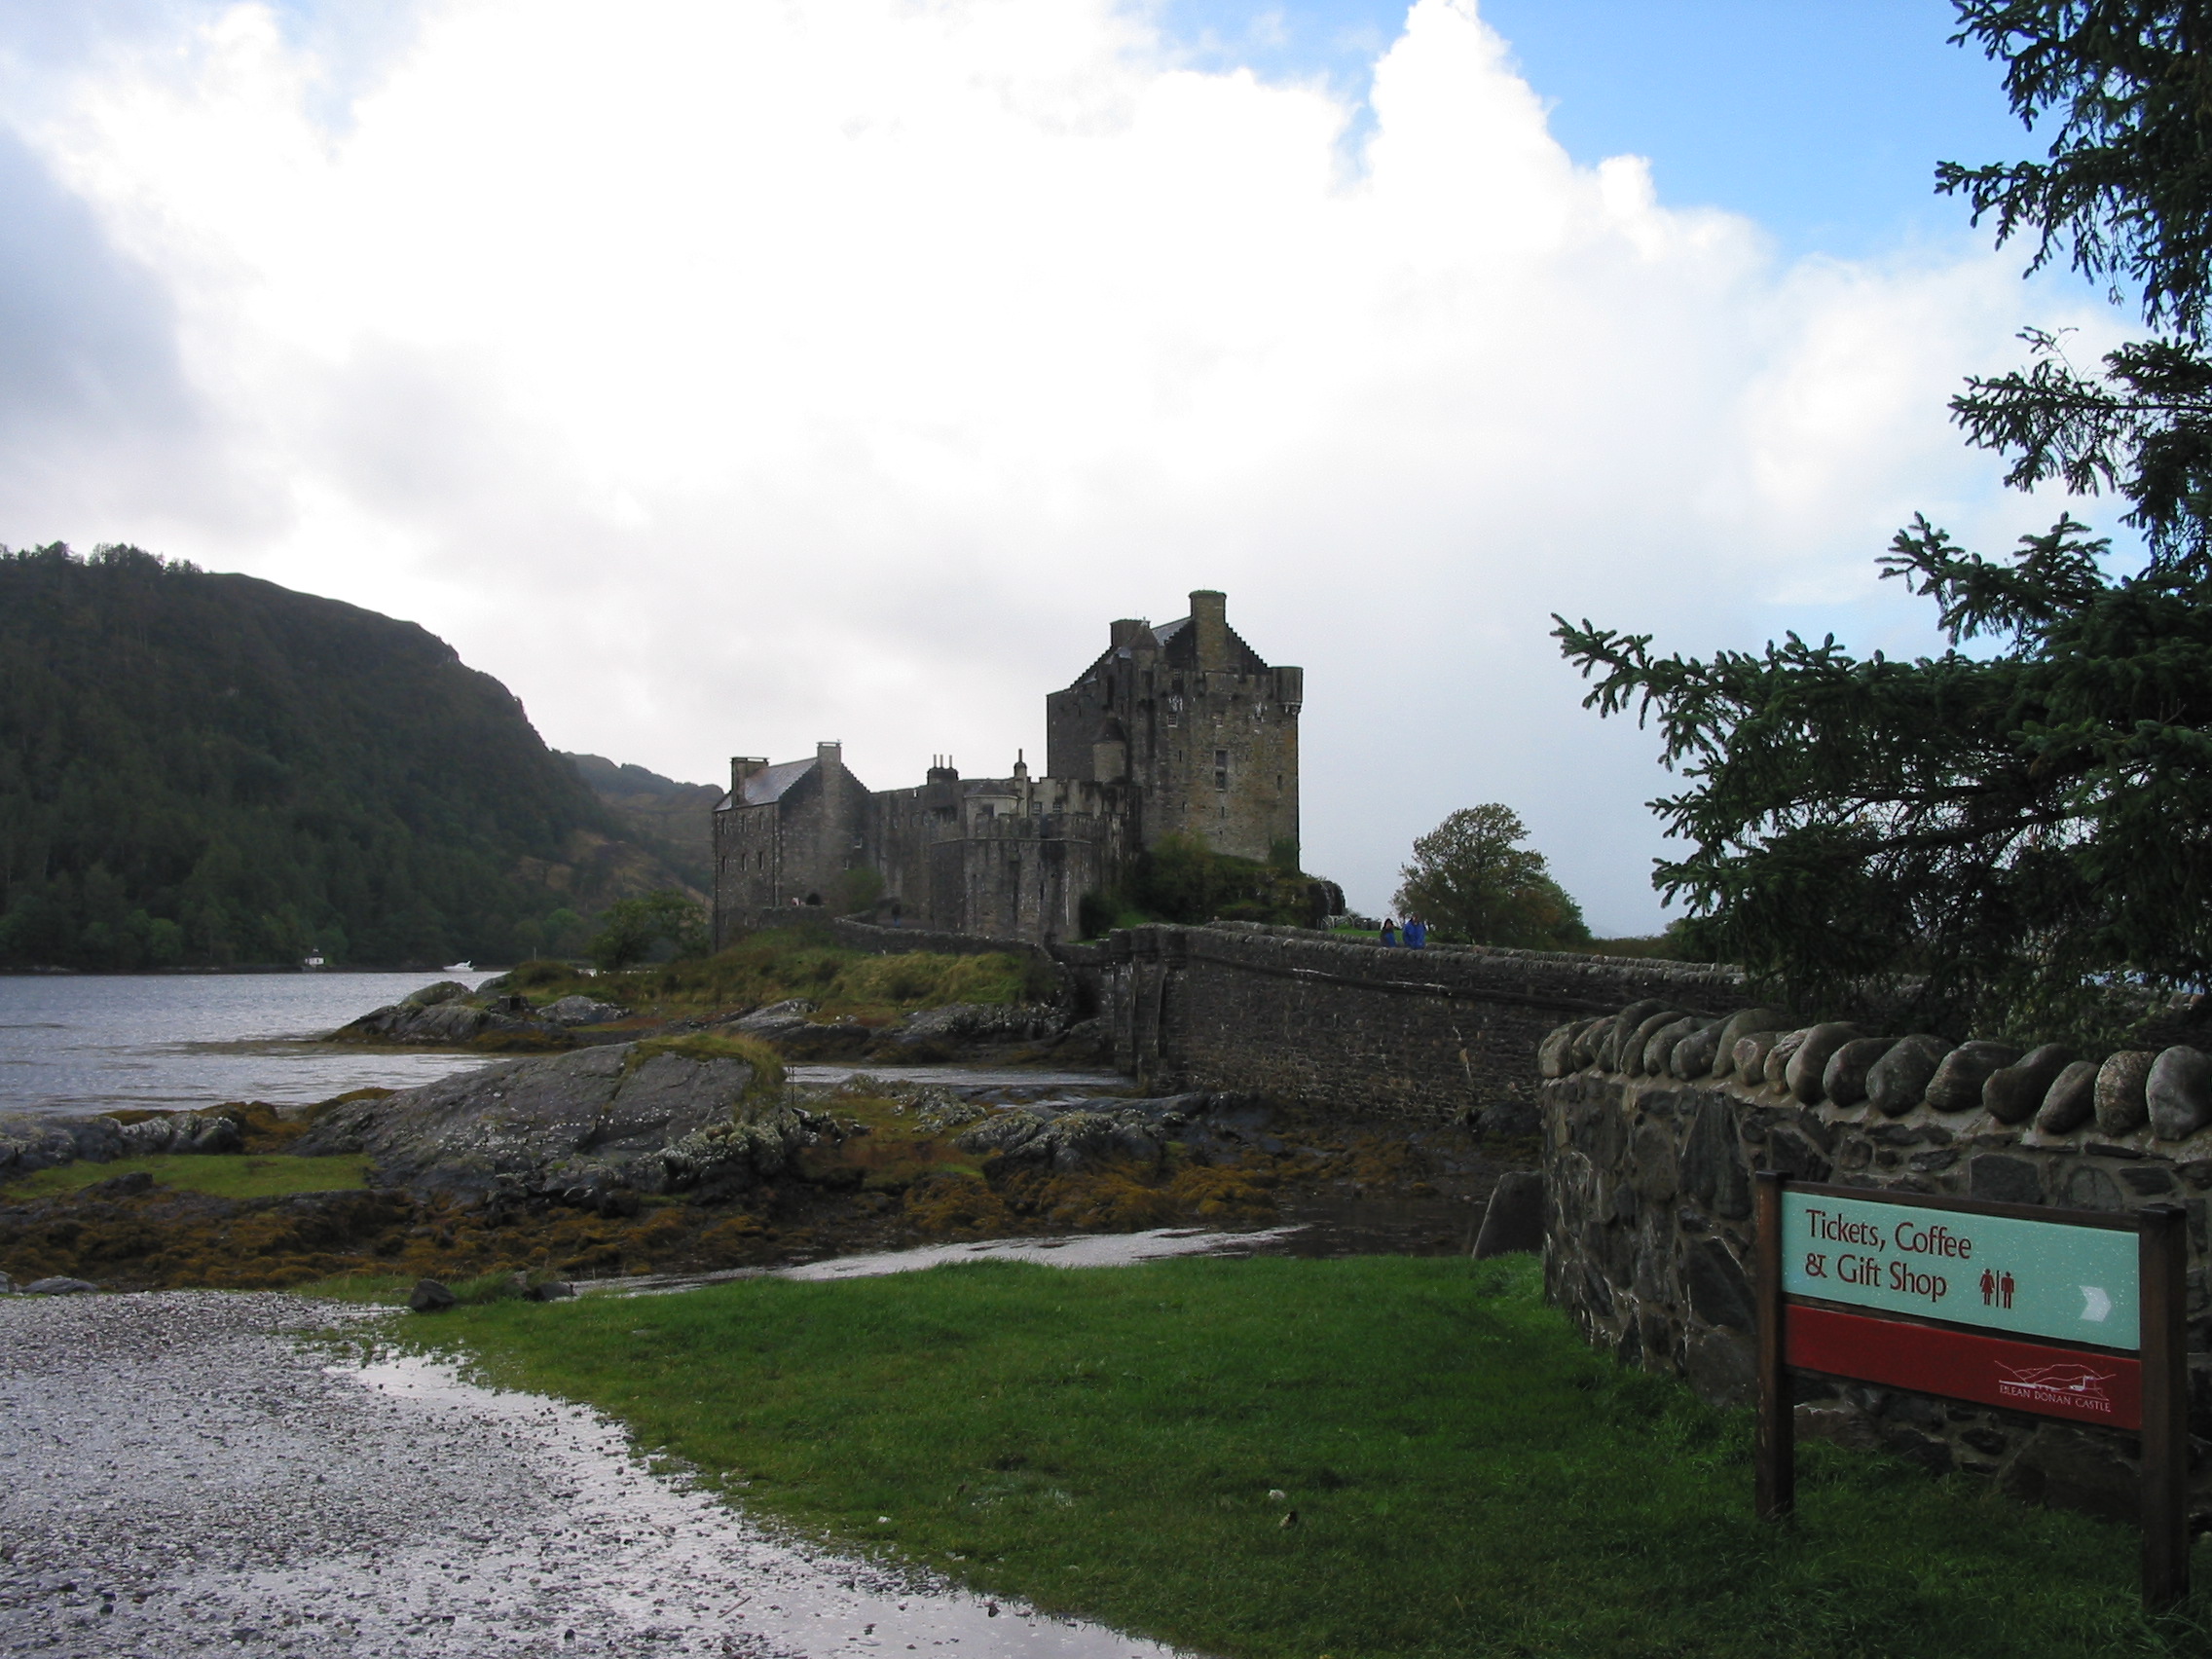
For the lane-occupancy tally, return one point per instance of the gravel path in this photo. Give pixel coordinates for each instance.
(190, 1472)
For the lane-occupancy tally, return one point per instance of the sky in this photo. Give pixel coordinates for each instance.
(724, 379)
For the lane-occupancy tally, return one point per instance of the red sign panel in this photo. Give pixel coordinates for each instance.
(2105, 1388)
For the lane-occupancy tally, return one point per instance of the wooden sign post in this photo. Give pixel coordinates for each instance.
(2063, 1314)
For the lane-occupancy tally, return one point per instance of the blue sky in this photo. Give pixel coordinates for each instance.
(1820, 118)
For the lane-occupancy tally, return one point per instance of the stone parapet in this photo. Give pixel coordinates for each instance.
(1425, 1035)
(1655, 1120)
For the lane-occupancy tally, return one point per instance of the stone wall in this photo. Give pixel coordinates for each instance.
(1654, 1122)
(1427, 1035)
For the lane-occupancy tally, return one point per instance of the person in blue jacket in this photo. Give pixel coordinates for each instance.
(1417, 932)
(1390, 931)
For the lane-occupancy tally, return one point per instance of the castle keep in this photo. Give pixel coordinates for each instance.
(1180, 729)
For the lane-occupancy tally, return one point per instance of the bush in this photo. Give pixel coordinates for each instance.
(531, 976)
(1180, 878)
(633, 927)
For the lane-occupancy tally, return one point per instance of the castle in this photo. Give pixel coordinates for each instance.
(1180, 729)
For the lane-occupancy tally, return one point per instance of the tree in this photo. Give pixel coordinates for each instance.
(632, 927)
(858, 890)
(2028, 827)
(563, 933)
(1470, 877)
(1181, 878)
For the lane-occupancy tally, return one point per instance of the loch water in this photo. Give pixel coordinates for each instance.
(168, 1041)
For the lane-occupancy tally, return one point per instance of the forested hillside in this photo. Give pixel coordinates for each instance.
(675, 820)
(200, 768)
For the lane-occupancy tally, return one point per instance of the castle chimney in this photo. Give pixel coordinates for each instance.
(1127, 631)
(830, 751)
(1209, 615)
(1020, 767)
(741, 767)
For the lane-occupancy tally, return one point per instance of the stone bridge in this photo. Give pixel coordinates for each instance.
(1426, 1035)
(1431, 1035)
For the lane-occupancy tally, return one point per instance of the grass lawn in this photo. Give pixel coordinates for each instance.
(1467, 1478)
(225, 1175)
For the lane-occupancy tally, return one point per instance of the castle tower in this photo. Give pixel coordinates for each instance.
(1196, 720)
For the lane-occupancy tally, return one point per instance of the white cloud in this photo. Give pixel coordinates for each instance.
(723, 378)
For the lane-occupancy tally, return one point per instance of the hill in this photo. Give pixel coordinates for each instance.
(675, 820)
(208, 769)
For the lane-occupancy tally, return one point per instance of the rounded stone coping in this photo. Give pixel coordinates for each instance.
(2177, 1082)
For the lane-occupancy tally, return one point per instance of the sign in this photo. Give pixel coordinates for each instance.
(1938, 1295)
(2041, 1278)
(2079, 1385)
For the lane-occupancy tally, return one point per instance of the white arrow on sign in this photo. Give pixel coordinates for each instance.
(2095, 1303)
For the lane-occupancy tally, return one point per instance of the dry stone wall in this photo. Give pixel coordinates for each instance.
(1655, 1120)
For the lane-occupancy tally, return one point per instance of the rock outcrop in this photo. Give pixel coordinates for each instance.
(448, 1014)
(30, 1143)
(581, 1127)
(1091, 1133)
(959, 1025)
(928, 1034)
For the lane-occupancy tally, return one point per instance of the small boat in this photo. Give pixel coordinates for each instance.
(458, 967)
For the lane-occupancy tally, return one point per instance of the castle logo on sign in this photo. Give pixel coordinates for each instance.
(2068, 1386)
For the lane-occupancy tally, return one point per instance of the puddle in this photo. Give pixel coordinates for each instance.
(1071, 1250)
(1083, 1251)
(688, 1573)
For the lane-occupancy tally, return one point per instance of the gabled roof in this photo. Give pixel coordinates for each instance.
(770, 784)
(1178, 646)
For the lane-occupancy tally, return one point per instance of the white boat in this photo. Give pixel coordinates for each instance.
(458, 967)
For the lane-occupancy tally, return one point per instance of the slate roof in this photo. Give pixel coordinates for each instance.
(770, 783)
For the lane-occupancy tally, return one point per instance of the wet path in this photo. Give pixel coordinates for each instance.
(182, 1473)
(1068, 1250)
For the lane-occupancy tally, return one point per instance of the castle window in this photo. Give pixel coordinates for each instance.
(1221, 768)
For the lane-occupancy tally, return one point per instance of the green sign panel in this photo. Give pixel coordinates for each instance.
(2044, 1279)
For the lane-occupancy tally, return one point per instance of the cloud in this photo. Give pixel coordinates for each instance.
(96, 415)
(725, 378)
